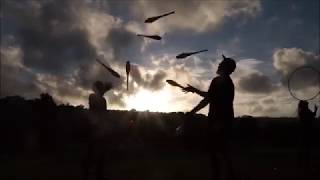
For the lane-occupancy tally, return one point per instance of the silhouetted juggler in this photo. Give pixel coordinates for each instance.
(100, 130)
(220, 97)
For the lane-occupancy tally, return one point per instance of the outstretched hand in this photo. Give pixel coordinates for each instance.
(189, 88)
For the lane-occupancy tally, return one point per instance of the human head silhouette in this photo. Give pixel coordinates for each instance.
(100, 87)
(227, 66)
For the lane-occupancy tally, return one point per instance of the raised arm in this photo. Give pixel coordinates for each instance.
(192, 89)
(201, 105)
(205, 100)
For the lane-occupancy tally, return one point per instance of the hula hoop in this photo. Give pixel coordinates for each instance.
(295, 71)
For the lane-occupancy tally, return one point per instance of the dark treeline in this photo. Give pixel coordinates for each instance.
(41, 125)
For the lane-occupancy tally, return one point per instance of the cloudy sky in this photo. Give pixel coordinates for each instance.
(51, 45)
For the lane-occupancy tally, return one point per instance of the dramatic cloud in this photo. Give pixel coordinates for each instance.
(256, 83)
(15, 78)
(148, 81)
(275, 104)
(248, 78)
(303, 83)
(50, 46)
(157, 81)
(286, 60)
(256, 94)
(125, 45)
(268, 101)
(58, 42)
(52, 42)
(49, 34)
(197, 16)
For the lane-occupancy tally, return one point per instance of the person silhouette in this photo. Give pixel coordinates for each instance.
(100, 130)
(220, 97)
(306, 118)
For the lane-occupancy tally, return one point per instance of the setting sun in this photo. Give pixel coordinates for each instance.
(158, 101)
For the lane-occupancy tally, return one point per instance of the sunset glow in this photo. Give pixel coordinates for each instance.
(48, 47)
(157, 101)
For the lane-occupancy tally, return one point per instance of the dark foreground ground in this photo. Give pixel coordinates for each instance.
(162, 161)
(40, 140)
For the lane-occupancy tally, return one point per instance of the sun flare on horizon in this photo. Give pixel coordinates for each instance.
(155, 101)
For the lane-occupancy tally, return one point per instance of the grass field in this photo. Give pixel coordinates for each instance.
(158, 162)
